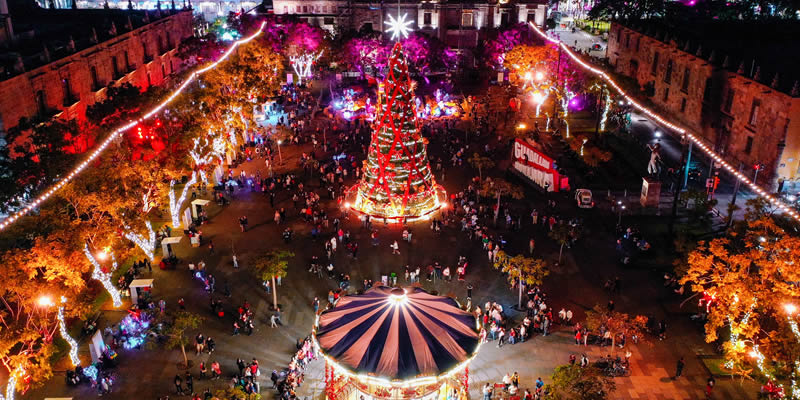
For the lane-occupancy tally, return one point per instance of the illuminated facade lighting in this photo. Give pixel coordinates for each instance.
(663, 121)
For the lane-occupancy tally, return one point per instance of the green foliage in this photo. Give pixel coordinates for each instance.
(571, 382)
(530, 270)
(274, 263)
(176, 333)
(498, 187)
(480, 163)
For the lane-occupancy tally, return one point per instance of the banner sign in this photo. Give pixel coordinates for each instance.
(538, 167)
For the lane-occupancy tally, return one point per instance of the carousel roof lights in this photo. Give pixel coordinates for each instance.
(661, 120)
(397, 337)
(119, 131)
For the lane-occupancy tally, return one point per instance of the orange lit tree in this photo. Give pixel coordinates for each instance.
(749, 286)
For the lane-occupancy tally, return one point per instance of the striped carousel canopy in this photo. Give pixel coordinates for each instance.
(397, 333)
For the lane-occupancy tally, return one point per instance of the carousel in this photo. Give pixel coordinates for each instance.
(393, 343)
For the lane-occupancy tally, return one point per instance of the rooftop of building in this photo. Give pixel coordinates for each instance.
(42, 36)
(762, 50)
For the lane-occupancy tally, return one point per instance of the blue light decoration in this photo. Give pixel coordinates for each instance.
(91, 372)
(134, 328)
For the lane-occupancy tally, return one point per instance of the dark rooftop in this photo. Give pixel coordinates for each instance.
(760, 49)
(46, 35)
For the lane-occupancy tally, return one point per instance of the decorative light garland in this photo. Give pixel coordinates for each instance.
(661, 120)
(148, 245)
(11, 386)
(62, 327)
(119, 131)
(104, 277)
(175, 205)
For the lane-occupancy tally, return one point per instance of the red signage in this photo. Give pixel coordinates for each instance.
(538, 167)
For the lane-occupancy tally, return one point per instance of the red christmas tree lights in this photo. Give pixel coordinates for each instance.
(397, 180)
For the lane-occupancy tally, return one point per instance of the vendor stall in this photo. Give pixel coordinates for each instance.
(139, 287)
(166, 245)
(393, 343)
(197, 207)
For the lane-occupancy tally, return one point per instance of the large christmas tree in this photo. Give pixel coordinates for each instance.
(397, 180)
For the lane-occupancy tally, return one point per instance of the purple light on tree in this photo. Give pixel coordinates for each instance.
(361, 52)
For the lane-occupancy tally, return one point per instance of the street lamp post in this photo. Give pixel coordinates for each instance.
(620, 207)
(280, 156)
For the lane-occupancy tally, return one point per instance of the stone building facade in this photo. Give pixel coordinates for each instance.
(456, 23)
(742, 106)
(75, 62)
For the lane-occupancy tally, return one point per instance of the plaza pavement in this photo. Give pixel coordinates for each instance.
(575, 284)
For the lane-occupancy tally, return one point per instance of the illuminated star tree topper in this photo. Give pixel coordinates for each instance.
(400, 28)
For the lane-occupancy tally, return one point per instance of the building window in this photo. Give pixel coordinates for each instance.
(654, 66)
(685, 83)
(149, 81)
(683, 104)
(146, 53)
(638, 40)
(328, 21)
(707, 90)
(298, 9)
(171, 67)
(285, 9)
(163, 71)
(666, 95)
(531, 16)
(114, 67)
(325, 9)
(169, 41)
(668, 72)
(754, 108)
(41, 102)
(728, 101)
(466, 19)
(333, 9)
(504, 18)
(126, 61)
(305, 9)
(748, 146)
(95, 79)
(628, 41)
(67, 90)
(427, 18)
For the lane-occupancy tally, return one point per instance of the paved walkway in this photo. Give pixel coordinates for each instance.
(575, 284)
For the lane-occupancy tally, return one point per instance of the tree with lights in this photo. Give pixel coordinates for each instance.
(270, 265)
(749, 290)
(397, 180)
(38, 271)
(305, 45)
(521, 271)
(616, 323)
(358, 53)
(495, 48)
(229, 93)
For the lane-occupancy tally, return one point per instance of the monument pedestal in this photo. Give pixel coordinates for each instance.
(651, 192)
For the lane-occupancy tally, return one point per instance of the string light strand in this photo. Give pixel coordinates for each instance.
(119, 131)
(663, 121)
